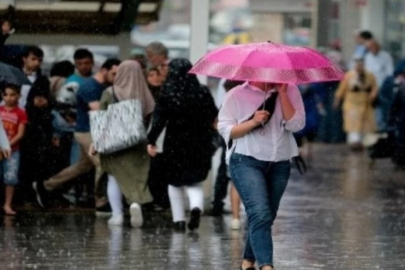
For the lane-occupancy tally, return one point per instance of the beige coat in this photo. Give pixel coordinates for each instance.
(358, 112)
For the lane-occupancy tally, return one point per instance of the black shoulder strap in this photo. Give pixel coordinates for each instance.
(269, 105)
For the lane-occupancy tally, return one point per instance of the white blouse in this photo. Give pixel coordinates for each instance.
(272, 142)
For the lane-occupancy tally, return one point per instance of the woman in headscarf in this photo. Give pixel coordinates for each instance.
(358, 92)
(128, 169)
(36, 148)
(188, 112)
(155, 81)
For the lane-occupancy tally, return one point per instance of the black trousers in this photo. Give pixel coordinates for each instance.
(222, 181)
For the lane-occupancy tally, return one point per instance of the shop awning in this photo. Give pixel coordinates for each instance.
(83, 16)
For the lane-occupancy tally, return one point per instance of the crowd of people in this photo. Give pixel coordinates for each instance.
(47, 145)
(48, 154)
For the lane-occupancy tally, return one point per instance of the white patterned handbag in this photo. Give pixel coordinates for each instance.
(119, 127)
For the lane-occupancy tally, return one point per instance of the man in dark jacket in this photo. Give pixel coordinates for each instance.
(6, 22)
(32, 60)
(397, 120)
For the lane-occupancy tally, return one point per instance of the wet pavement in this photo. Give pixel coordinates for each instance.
(341, 215)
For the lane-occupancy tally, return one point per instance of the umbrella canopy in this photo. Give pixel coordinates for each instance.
(268, 62)
(12, 75)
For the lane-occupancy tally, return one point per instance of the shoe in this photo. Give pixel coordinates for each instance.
(41, 194)
(217, 210)
(179, 226)
(116, 220)
(104, 211)
(194, 222)
(236, 224)
(136, 215)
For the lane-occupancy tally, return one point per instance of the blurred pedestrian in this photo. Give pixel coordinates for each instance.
(155, 82)
(388, 90)
(128, 169)
(89, 95)
(158, 56)
(32, 60)
(59, 73)
(84, 63)
(314, 111)
(14, 120)
(380, 63)
(7, 25)
(223, 177)
(360, 51)
(260, 155)
(36, 146)
(188, 111)
(397, 120)
(358, 92)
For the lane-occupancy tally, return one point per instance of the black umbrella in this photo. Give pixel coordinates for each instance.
(12, 75)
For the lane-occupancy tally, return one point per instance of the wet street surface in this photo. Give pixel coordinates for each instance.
(341, 215)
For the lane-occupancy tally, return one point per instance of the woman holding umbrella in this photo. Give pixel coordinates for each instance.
(257, 121)
(260, 160)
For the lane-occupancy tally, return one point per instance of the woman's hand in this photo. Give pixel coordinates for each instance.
(6, 153)
(152, 150)
(92, 150)
(261, 117)
(56, 141)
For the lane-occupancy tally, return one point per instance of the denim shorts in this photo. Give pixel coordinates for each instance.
(9, 169)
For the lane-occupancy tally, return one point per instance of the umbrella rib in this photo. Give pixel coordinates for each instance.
(243, 63)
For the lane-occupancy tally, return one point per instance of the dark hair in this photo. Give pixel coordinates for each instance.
(62, 69)
(367, 35)
(13, 87)
(141, 59)
(34, 50)
(110, 63)
(229, 84)
(149, 70)
(82, 54)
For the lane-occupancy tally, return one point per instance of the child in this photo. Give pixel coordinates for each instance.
(14, 120)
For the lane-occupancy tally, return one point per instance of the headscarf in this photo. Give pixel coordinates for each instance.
(178, 79)
(184, 95)
(130, 83)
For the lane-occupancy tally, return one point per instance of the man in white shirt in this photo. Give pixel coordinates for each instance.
(380, 63)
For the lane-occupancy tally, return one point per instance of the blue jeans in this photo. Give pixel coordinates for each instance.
(260, 185)
(9, 169)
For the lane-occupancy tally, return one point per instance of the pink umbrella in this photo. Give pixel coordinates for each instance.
(268, 62)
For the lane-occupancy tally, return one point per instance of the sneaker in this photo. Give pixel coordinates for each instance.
(41, 194)
(116, 220)
(136, 215)
(104, 211)
(236, 224)
(195, 216)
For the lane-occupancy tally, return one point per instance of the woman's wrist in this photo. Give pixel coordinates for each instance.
(253, 123)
